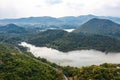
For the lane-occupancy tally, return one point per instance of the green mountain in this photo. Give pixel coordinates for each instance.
(46, 37)
(16, 65)
(99, 26)
(64, 41)
(12, 28)
(61, 40)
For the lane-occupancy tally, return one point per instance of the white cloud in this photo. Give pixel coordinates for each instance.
(76, 58)
(52, 2)
(58, 8)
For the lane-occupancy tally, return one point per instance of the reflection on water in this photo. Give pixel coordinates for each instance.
(76, 58)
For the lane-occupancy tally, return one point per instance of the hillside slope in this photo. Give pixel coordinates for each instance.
(15, 65)
(12, 28)
(64, 41)
(99, 26)
(101, 72)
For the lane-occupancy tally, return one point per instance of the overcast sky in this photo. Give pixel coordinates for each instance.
(58, 8)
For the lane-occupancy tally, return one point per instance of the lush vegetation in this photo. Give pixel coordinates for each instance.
(15, 65)
(59, 39)
(64, 41)
(102, 72)
(99, 26)
(12, 28)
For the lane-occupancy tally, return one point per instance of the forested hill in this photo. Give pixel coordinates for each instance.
(99, 26)
(12, 28)
(64, 41)
(15, 65)
(59, 39)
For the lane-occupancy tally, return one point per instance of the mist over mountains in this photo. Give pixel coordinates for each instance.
(59, 40)
(47, 33)
(98, 34)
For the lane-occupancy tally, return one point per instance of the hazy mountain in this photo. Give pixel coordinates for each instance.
(99, 26)
(57, 22)
(44, 19)
(12, 28)
(84, 18)
(76, 20)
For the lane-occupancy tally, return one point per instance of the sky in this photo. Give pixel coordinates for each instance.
(58, 8)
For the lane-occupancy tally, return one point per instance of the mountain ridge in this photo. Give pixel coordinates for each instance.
(64, 20)
(12, 28)
(100, 27)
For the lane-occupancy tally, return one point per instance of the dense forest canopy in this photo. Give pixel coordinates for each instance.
(15, 65)
(64, 41)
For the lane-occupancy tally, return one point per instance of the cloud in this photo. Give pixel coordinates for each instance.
(52, 2)
(110, 9)
(58, 8)
(76, 58)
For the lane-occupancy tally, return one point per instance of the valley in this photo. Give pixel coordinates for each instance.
(77, 58)
(60, 52)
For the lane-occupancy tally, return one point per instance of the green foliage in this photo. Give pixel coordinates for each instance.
(15, 65)
(46, 37)
(71, 41)
(61, 40)
(12, 28)
(99, 26)
(102, 72)
(70, 71)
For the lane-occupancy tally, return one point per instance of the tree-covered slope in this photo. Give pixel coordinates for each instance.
(99, 26)
(64, 41)
(15, 65)
(12, 28)
(102, 72)
(46, 37)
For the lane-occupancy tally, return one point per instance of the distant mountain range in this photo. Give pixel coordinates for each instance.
(99, 26)
(69, 20)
